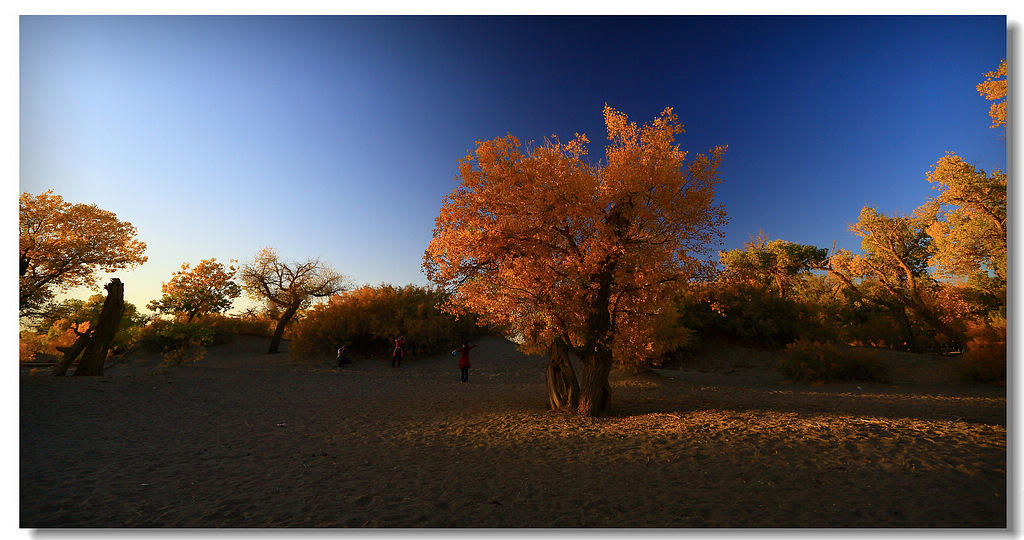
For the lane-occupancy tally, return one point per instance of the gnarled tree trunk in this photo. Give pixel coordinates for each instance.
(71, 353)
(563, 387)
(95, 353)
(899, 313)
(275, 341)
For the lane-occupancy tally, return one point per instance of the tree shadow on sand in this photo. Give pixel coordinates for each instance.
(652, 394)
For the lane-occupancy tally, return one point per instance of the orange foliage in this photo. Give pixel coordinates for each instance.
(985, 356)
(30, 345)
(369, 318)
(554, 247)
(63, 245)
(956, 304)
(62, 333)
(68, 333)
(967, 220)
(207, 288)
(994, 89)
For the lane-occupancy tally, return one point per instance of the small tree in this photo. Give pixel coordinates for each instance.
(289, 285)
(62, 246)
(207, 288)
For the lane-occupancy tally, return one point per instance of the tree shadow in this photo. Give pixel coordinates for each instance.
(654, 394)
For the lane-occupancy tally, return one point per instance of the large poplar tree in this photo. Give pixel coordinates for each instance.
(580, 257)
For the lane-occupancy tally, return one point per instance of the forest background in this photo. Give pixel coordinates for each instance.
(933, 281)
(770, 292)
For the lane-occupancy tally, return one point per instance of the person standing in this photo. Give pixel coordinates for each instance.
(464, 364)
(397, 355)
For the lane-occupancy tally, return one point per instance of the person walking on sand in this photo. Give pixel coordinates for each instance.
(343, 358)
(464, 359)
(397, 355)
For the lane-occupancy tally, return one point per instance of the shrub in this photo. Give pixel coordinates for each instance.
(31, 344)
(179, 341)
(984, 357)
(368, 319)
(806, 360)
(225, 327)
(751, 313)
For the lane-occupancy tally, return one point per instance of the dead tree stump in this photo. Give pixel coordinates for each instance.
(72, 352)
(95, 353)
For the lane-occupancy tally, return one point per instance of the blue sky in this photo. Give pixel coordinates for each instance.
(338, 137)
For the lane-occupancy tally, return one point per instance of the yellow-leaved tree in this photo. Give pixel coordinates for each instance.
(967, 219)
(63, 245)
(207, 288)
(579, 257)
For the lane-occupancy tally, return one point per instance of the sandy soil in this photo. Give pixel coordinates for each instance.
(245, 439)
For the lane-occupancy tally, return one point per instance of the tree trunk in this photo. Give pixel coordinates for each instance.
(563, 387)
(782, 288)
(596, 354)
(275, 342)
(595, 392)
(71, 353)
(95, 353)
(917, 305)
(900, 314)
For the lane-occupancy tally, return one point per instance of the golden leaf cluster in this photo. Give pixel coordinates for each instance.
(994, 89)
(544, 242)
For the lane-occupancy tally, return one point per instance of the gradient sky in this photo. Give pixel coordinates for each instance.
(337, 137)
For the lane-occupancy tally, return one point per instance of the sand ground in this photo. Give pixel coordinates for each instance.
(245, 439)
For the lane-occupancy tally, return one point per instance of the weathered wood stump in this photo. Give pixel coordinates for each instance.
(95, 353)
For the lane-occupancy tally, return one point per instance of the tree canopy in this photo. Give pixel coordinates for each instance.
(207, 288)
(777, 262)
(967, 220)
(959, 233)
(896, 251)
(63, 245)
(557, 249)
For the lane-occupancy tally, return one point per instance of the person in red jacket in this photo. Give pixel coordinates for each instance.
(396, 356)
(464, 359)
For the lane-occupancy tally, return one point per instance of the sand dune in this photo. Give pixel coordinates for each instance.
(245, 439)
